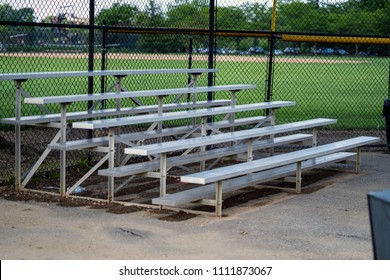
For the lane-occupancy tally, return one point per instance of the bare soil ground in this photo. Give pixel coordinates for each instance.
(142, 191)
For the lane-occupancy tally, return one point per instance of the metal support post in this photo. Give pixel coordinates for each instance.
(270, 70)
(233, 103)
(163, 174)
(298, 177)
(218, 199)
(358, 160)
(272, 123)
(18, 144)
(203, 132)
(315, 133)
(63, 152)
(250, 150)
(118, 86)
(111, 163)
(160, 113)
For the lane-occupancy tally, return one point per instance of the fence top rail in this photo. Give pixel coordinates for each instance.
(130, 94)
(60, 74)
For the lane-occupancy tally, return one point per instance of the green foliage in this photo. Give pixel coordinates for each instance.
(83, 165)
(258, 16)
(7, 13)
(352, 17)
(118, 14)
(349, 17)
(10, 182)
(194, 14)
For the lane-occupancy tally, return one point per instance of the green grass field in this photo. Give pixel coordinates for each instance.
(351, 91)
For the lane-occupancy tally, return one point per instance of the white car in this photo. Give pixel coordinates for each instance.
(278, 52)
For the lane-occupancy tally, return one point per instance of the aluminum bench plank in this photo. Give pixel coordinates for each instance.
(133, 169)
(224, 173)
(208, 191)
(129, 94)
(39, 119)
(46, 75)
(225, 137)
(116, 122)
(143, 135)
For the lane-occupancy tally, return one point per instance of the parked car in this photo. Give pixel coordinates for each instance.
(342, 52)
(278, 52)
(255, 50)
(290, 50)
(327, 51)
(203, 50)
(222, 51)
(243, 52)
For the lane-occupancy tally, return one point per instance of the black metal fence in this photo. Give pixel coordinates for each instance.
(331, 57)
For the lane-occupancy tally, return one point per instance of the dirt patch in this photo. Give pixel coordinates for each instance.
(121, 209)
(142, 190)
(178, 217)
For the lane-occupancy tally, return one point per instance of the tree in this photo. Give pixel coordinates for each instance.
(302, 17)
(7, 13)
(258, 16)
(118, 14)
(154, 17)
(315, 3)
(188, 14)
(369, 5)
(229, 18)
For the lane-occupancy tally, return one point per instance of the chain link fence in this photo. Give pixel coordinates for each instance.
(331, 57)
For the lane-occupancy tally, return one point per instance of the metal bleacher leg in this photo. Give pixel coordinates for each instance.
(233, 115)
(203, 148)
(298, 177)
(194, 84)
(163, 174)
(63, 152)
(250, 150)
(315, 132)
(160, 112)
(272, 123)
(118, 86)
(218, 199)
(18, 145)
(358, 160)
(111, 163)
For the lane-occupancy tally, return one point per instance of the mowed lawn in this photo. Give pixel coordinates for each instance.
(349, 89)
